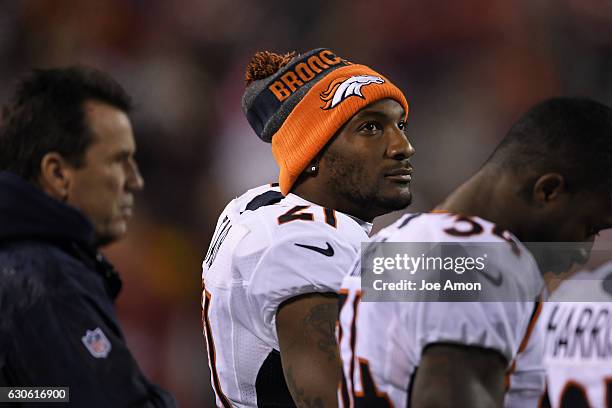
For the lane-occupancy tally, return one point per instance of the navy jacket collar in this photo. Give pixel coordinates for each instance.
(27, 212)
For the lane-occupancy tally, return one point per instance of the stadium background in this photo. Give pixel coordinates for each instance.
(468, 67)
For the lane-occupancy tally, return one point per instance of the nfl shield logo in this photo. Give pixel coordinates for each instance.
(97, 343)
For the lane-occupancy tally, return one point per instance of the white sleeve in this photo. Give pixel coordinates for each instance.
(287, 270)
(493, 325)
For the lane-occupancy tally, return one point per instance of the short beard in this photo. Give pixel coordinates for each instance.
(351, 181)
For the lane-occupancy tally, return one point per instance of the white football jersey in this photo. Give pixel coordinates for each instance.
(265, 250)
(578, 322)
(381, 343)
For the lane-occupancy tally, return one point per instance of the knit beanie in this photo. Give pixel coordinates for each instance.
(298, 103)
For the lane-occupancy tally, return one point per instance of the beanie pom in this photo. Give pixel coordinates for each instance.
(266, 63)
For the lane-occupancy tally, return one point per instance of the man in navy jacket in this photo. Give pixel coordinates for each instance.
(67, 183)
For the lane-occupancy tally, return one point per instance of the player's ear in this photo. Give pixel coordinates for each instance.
(55, 175)
(549, 187)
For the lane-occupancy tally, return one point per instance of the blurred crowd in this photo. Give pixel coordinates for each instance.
(469, 69)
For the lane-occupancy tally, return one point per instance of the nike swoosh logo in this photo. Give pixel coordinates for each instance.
(495, 280)
(329, 251)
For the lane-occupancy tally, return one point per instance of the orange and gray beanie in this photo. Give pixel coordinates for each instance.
(299, 102)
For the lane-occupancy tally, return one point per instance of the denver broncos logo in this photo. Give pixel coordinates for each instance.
(343, 88)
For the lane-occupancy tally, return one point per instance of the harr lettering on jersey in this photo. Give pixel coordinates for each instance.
(581, 331)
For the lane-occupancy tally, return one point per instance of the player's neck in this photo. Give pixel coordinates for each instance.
(488, 195)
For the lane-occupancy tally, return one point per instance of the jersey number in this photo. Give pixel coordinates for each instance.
(476, 229)
(370, 396)
(296, 214)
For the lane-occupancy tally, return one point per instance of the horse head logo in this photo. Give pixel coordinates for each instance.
(343, 88)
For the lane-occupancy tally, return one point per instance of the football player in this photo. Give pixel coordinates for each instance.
(578, 324)
(279, 253)
(548, 181)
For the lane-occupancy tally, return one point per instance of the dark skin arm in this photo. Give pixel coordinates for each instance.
(309, 353)
(459, 376)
